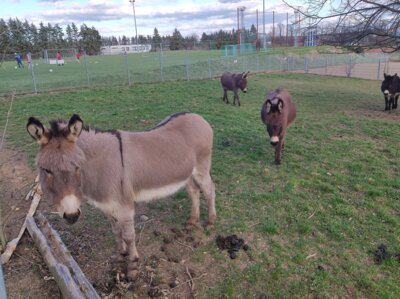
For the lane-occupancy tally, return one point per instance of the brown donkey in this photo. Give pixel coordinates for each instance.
(114, 169)
(277, 113)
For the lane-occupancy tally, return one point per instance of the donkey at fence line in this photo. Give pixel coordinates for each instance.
(114, 169)
(233, 82)
(391, 90)
(277, 113)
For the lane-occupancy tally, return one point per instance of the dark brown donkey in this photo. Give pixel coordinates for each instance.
(233, 82)
(114, 169)
(277, 113)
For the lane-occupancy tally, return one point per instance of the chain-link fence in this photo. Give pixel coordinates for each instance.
(92, 71)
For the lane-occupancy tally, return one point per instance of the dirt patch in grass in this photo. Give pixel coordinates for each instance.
(26, 275)
(376, 114)
(174, 262)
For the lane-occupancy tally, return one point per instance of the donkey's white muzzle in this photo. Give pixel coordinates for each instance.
(274, 140)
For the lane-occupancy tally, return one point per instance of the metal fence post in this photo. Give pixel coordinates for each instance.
(33, 77)
(287, 63)
(379, 69)
(305, 64)
(86, 68)
(127, 69)
(349, 66)
(326, 65)
(187, 68)
(209, 67)
(161, 64)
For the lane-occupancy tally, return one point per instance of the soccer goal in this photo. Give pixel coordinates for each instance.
(66, 54)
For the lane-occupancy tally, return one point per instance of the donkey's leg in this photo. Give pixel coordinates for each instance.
(128, 235)
(203, 179)
(194, 193)
(225, 97)
(235, 95)
(120, 244)
(278, 151)
(396, 99)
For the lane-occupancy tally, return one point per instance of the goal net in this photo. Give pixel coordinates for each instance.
(66, 54)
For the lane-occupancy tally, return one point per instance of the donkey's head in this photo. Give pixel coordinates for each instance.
(59, 161)
(241, 81)
(388, 84)
(275, 124)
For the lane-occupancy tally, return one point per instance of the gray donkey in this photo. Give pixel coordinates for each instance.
(233, 82)
(114, 169)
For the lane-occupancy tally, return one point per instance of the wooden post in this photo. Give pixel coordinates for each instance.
(69, 277)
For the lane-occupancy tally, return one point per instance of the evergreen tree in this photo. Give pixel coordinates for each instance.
(124, 40)
(142, 39)
(75, 35)
(34, 38)
(90, 40)
(176, 40)
(156, 38)
(17, 35)
(43, 37)
(68, 31)
(114, 41)
(4, 39)
(59, 36)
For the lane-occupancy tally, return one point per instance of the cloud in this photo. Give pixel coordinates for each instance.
(230, 1)
(188, 16)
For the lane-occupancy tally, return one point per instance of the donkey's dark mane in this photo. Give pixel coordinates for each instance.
(168, 119)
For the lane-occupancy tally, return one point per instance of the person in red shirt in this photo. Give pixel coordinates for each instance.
(78, 55)
(59, 59)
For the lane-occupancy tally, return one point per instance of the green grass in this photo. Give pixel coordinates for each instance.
(311, 222)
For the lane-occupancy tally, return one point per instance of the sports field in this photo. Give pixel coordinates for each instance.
(103, 69)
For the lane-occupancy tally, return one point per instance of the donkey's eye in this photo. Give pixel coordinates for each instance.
(47, 171)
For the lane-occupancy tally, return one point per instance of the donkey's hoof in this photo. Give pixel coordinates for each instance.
(191, 225)
(133, 274)
(117, 258)
(209, 225)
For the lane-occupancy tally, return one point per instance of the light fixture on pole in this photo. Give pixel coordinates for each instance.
(134, 17)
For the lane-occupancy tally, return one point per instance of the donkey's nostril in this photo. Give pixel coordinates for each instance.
(71, 218)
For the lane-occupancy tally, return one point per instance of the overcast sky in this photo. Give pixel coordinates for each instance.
(115, 17)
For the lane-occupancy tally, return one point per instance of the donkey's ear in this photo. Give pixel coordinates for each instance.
(245, 74)
(280, 105)
(268, 106)
(37, 131)
(75, 126)
(384, 75)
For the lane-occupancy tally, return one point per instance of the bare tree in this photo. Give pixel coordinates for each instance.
(355, 24)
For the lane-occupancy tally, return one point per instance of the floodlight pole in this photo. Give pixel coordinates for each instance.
(264, 24)
(134, 17)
